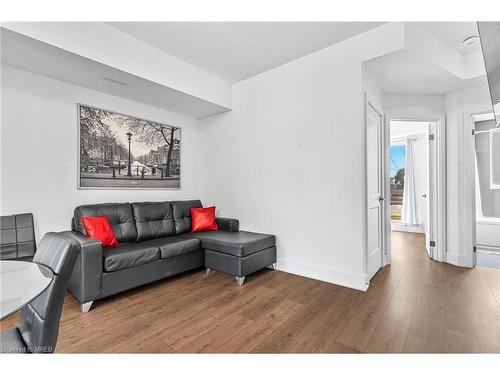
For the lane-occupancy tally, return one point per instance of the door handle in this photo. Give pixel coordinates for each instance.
(381, 199)
(424, 195)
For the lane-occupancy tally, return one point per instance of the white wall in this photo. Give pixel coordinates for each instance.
(39, 149)
(288, 159)
(413, 106)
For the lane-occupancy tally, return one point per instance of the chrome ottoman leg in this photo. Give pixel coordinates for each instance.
(85, 307)
(240, 280)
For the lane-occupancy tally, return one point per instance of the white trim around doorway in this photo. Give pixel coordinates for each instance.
(439, 226)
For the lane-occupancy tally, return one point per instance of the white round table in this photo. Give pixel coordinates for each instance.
(20, 283)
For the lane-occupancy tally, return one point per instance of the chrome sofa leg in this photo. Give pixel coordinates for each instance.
(272, 266)
(207, 271)
(85, 307)
(240, 280)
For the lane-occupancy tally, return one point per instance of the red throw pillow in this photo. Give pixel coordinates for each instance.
(98, 228)
(203, 219)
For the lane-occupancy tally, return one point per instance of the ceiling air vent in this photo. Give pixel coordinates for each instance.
(118, 82)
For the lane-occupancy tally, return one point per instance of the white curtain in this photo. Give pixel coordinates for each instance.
(409, 214)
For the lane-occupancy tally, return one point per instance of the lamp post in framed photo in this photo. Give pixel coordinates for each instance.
(129, 136)
(152, 155)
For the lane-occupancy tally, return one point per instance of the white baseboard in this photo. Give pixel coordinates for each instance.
(396, 226)
(487, 258)
(457, 260)
(348, 280)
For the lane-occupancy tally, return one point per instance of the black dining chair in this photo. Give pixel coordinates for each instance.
(38, 328)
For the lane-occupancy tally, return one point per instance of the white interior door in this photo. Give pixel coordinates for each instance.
(430, 195)
(374, 173)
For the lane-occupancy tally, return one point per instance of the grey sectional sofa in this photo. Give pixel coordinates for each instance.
(155, 242)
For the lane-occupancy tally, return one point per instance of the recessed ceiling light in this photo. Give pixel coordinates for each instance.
(116, 81)
(470, 41)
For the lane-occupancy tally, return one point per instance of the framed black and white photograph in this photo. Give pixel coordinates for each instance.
(118, 151)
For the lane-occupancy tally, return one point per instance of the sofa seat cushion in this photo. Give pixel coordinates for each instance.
(238, 244)
(173, 246)
(128, 255)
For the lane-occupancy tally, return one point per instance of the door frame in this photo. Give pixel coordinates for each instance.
(369, 100)
(439, 222)
(470, 167)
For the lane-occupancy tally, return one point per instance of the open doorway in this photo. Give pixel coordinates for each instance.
(409, 159)
(405, 188)
(413, 179)
(409, 182)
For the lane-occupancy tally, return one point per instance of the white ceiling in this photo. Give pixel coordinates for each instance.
(453, 33)
(404, 73)
(234, 51)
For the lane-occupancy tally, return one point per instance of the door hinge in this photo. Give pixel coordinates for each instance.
(473, 131)
(432, 243)
(432, 137)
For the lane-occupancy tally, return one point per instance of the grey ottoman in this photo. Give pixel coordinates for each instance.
(237, 253)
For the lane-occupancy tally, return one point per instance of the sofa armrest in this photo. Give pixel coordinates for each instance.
(86, 280)
(227, 225)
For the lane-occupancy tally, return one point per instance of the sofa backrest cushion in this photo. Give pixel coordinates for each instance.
(120, 217)
(182, 214)
(153, 220)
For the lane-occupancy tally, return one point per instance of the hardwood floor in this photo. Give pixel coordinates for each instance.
(416, 306)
